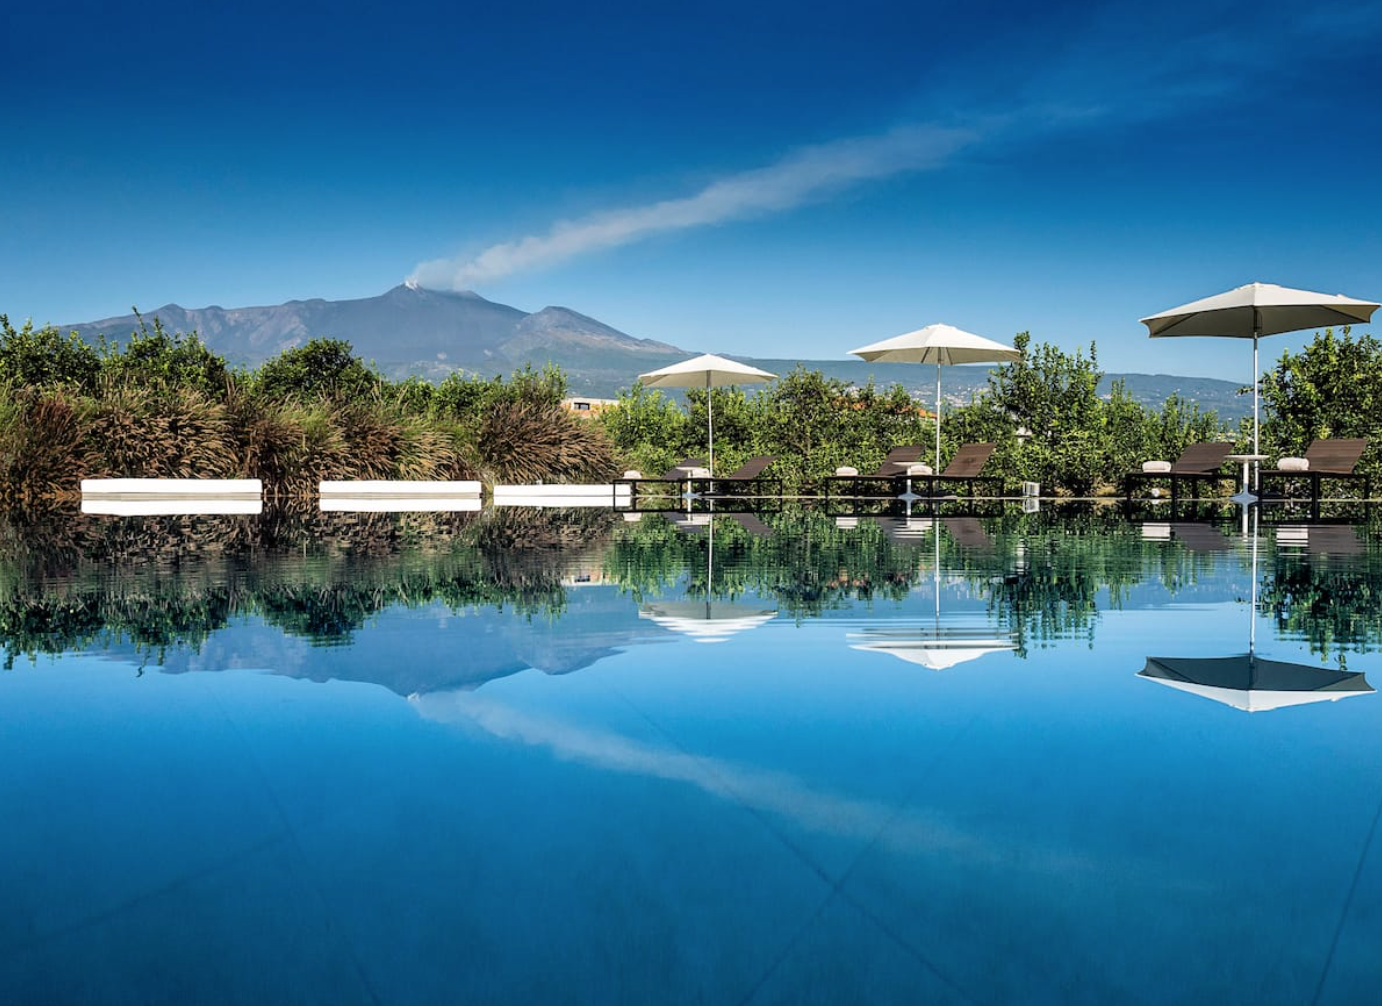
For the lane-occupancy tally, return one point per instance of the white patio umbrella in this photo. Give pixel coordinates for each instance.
(943, 345)
(708, 371)
(1255, 310)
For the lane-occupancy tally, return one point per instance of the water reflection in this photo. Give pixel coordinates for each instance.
(935, 647)
(1253, 683)
(1248, 681)
(566, 590)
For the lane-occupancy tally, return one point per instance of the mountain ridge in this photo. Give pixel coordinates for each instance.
(411, 330)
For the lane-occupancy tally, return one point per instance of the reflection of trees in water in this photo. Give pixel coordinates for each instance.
(807, 564)
(69, 582)
(1329, 601)
(1048, 575)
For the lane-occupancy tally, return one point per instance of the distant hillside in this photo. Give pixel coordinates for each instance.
(410, 330)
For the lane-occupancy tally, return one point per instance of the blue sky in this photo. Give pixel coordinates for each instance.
(777, 180)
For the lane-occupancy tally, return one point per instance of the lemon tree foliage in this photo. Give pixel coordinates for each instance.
(1331, 388)
(1043, 412)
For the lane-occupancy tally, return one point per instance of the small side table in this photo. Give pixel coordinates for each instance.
(1246, 460)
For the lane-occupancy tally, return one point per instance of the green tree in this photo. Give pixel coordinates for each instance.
(1331, 388)
(153, 358)
(322, 368)
(45, 357)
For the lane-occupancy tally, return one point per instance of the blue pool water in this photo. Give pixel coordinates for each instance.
(788, 759)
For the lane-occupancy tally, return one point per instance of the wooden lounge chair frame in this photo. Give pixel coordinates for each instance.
(965, 466)
(1332, 458)
(895, 463)
(1199, 462)
(743, 480)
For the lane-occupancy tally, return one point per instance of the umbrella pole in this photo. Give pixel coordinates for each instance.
(937, 469)
(710, 561)
(1252, 604)
(936, 566)
(1256, 376)
(710, 421)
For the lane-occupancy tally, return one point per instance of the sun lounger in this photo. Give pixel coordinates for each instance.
(966, 466)
(1198, 463)
(898, 460)
(1334, 458)
(747, 478)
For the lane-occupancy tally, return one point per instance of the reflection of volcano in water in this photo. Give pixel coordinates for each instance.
(455, 651)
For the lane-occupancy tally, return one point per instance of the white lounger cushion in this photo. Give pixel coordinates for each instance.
(846, 470)
(633, 473)
(918, 469)
(1293, 465)
(1156, 466)
(697, 473)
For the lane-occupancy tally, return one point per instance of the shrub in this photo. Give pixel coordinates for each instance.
(156, 359)
(322, 368)
(45, 358)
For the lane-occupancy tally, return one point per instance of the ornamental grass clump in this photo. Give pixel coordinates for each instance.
(178, 435)
(524, 442)
(41, 442)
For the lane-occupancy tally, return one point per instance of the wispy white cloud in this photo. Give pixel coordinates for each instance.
(803, 175)
(1102, 75)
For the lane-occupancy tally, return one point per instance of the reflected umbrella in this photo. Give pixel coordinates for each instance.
(707, 621)
(1252, 683)
(937, 648)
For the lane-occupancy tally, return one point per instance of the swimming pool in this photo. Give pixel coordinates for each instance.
(798, 757)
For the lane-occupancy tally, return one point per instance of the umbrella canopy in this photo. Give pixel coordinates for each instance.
(1253, 684)
(943, 345)
(1255, 310)
(708, 371)
(938, 651)
(706, 621)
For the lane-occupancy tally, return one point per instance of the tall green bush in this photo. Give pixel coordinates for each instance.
(1331, 388)
(45, 358)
